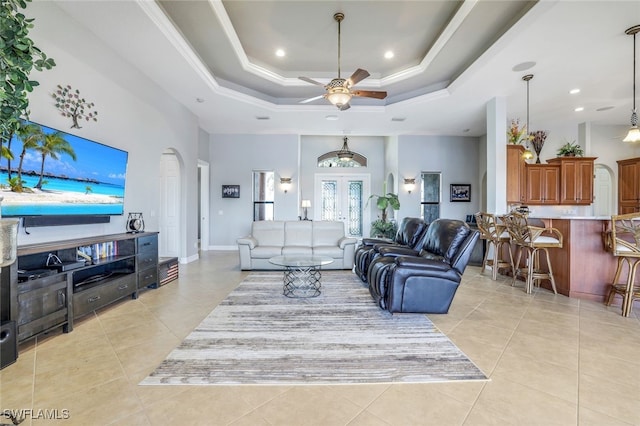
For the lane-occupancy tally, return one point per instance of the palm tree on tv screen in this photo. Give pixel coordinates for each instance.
(30, 135)
(51, 145)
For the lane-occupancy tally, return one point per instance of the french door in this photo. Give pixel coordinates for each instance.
(342, 197)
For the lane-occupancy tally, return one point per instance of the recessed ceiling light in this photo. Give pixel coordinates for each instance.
(331, 117)
(398, 118)
(574, 91)
(607, 108)
(524, 66)
(280, 53)
(466, 130)
(263, 117)
(579, 109)
(199, 100)
(388, 54)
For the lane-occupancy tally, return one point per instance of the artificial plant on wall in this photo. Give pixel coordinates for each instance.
(18, 57)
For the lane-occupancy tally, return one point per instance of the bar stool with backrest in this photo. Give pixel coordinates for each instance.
(532, 240)
(625, 245)
(494, 231)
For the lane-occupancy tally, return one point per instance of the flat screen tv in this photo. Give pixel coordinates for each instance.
(54, 173)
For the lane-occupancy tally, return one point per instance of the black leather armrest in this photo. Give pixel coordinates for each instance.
(374, 241)
(397, 251)
(421, 262)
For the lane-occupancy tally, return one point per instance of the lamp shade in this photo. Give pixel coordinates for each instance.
(633, 135)
(339, 96)
(305, 203)
(285, 183)
(409, 184)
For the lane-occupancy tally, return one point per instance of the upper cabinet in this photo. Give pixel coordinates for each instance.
(543, 184)
(629, 186)
(576, 179)
(516, 175)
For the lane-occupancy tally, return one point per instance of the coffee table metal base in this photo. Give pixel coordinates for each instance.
(302, 281)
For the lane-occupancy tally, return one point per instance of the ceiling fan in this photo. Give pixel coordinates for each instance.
(339, 91)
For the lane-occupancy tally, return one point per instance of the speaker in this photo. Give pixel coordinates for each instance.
(8, 343)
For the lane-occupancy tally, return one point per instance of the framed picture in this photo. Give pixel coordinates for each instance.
(460, 192)
(230, 191)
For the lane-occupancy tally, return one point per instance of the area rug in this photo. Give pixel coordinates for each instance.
(258, 336)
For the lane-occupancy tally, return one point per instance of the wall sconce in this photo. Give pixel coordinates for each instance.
(305, 205)
(409, 184)
(285, 184)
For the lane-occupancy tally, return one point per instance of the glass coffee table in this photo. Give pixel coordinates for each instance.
(302, 274)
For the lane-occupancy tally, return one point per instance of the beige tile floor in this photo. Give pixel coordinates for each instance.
(552, 361)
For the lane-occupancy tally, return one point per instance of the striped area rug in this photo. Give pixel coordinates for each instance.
(258, 336)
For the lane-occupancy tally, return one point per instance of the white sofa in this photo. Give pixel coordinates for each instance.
(273, 238)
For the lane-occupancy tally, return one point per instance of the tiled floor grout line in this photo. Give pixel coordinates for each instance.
(475, 402)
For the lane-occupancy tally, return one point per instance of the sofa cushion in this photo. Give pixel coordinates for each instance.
(268, 232)
(327, 233)
(298, 233)
(297, 250)
(329, 251)
(266, 252)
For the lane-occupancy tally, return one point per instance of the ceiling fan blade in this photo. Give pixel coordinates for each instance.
(358, 76)
(308, 80)
(344, 107)
(311, 99)
(369, 94)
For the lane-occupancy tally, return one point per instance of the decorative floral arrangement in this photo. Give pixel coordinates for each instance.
(516, 134)
(537, 139)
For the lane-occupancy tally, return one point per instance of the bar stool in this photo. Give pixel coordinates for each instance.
(494, 232)
(625, 245)
(532, 240)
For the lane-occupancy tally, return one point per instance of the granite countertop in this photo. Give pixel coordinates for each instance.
(570, 217)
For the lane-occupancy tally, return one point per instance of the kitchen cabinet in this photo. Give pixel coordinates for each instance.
(516, 175)
(543, 184)
(576, 179)
(629, 186)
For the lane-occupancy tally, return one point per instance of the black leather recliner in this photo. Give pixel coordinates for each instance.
(426, 279)
(410, 230)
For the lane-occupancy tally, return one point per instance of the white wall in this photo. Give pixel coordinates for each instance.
(233, 159)
(455, 157)
(134, 114)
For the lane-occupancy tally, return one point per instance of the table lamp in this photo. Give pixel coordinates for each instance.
(305, 205)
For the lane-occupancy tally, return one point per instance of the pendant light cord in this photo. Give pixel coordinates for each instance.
(339, 20)
(634, 72)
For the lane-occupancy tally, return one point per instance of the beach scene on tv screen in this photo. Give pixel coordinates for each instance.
(44, 171)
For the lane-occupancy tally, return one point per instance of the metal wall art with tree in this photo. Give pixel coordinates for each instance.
(70, 104)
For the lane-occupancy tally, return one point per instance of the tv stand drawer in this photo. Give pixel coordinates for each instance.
(97, 297)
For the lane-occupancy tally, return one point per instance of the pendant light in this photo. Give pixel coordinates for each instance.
(634, 132)
(345, 154)
(527, 154)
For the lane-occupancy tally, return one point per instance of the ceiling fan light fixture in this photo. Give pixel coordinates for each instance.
(339, 96)
(634, 133)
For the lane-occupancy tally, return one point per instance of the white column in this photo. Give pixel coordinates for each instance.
(497, 156)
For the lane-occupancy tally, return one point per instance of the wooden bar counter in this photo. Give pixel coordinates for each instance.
(582, 268)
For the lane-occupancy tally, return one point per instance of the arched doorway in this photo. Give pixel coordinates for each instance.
(603, 191)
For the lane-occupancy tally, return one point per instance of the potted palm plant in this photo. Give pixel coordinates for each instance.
(383, 227)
